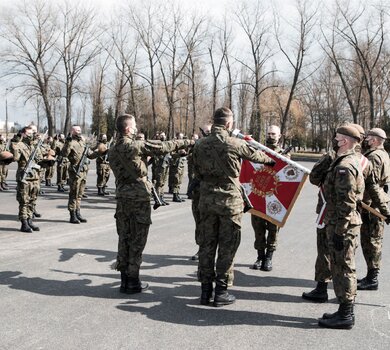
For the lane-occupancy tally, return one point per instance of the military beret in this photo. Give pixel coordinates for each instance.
(377, 132)
(350, 131)
(358, 127)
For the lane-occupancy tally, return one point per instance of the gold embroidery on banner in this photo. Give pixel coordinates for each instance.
(265, 182)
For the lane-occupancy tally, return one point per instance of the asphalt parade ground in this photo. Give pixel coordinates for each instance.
(58, 291)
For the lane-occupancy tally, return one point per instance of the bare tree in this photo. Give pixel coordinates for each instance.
(296, 52)
(29, 51)
(78, 47)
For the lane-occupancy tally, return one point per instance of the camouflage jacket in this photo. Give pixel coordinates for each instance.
(128, 160)
(377, 179)
(3, 146)
(58, 146)
(102, 159)
(22, 152)
(217, 191)
(343, 189)
(73, 150)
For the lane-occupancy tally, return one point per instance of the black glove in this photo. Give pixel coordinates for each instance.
(271, 163)
(338, 242)
(387, 219)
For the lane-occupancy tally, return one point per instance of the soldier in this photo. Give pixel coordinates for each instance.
(343, 189)
(3, 165)
(27, 184)
(140, 136)
(161, 166)
(102, 168)
(62, 163)
(193, 192)
(47, 149)
(190, 169)
(74, 149)
(265, 244)
(176, 172)
(217, 163)
(128, 160)
(371, 235)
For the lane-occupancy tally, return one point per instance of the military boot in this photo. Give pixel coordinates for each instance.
(47, 183)
(4, 186)
(1, 187)
(100, 191)
(207, 293)
(25, 227)
(60, 189)
(370, 282)
(124, 281)
(260, 258)
(36, 214)
(79, 217)
(73, 217)
(196, 256)
(106, 193)
(266, 264)
(342, 319)
(222, 297)
(319, 294)
(31, 224)
(134, 285)
(176, 198)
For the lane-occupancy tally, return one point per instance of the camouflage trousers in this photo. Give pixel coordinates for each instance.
(161, 179)
(62, 173)
(103, 175)
(322, 267)
(76, 189)
(175, 178)
(371, 239)
(343, 265)
(262, 240)
(220, 232)
(49, 173)
(26, 195)
(132, 224)
(3, 173)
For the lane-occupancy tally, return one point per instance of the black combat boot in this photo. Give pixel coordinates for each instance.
(25, 227)
(207, 293)
(176, 198)
(31, 224)
(222, 297)
(100, 191)
(260, 258)
(124, 281)
(370, 282)
(342, 319)
(47, 183)
(84, 195)
(79, 217)
(105, 193)
(4, 186)
(266, 264)
(196, 256)
(60, 188)
(36, 214)
(73, 217)
(319, 294)
(134, 285)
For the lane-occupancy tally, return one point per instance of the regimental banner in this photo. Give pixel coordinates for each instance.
(272, 190)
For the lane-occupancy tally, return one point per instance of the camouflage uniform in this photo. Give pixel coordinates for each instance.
(102, 171)
(62, 165)
(220, 203)
(161, 167)
(3, 167)
(26, 192)
(343, 189)
(371, 236)
(133, 193)
(176, 172)
(49, 172)
(73, 150)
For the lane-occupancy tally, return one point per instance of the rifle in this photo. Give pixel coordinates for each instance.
(108, 148)
(286, 150)
(82, 160)
(31, 165)
(156, 198)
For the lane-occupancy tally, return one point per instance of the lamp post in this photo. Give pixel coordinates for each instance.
(6, 113)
